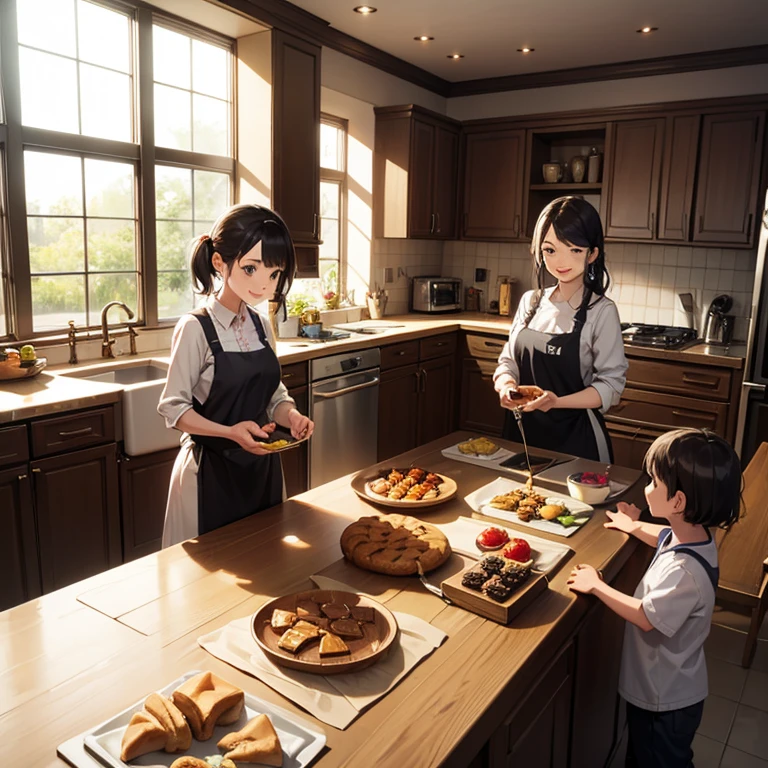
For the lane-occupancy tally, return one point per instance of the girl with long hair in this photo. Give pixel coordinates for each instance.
(565, 339)
(223, 389)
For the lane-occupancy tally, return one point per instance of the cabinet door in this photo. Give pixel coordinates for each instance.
(436, 398)
(630, 444)
(78, 515)
(729, 169)
(421, 219)
(446, 180)
(398, 411)
(634, 179)
(680, 151)
(493, 185)
(19, 564)
(144, 482)
(479, 409)
(296, 461)
(296, 135)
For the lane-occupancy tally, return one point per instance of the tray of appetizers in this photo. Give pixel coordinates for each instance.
(197, 721)
(323, 631)
(403, 487)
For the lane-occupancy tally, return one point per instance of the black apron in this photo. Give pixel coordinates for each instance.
(552, 361)
(231, 482)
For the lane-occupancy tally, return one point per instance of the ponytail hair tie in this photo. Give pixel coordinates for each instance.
(203, 239)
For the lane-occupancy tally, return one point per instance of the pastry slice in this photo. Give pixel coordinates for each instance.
(179, 736)
(298, 636)
(335, 611)
(256, 742)
(307, 608)
(363, 613)
(332, 645)
(144, 734)
(205, 700)
(346, 628)
(319, 621)
(282, 620)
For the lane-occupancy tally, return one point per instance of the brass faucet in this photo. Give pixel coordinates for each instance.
(106, 342)
(72, 341)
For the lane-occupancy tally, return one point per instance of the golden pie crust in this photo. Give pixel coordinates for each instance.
(393, 544)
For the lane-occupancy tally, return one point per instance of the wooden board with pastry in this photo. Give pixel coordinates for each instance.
(326, 632)
(403, 487)
(203, 721)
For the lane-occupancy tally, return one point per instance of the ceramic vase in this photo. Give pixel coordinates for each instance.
(578, 169)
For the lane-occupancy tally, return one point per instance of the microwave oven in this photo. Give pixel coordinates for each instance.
(436, 294)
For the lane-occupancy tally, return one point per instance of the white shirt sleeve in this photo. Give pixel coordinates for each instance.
(609, 363)
(672, 600)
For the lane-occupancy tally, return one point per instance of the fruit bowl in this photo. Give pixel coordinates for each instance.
(12, 369)
(589, 487)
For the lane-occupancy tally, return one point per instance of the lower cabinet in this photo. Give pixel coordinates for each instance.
(144, 482)
(479, 408)
(19, 562)
(436, 398)
(78, 514)
(398, 411)
(296, 461)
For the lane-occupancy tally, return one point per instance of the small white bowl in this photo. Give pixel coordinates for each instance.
(589, 493)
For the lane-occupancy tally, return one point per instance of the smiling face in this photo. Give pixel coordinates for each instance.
(563, 261)
(249, 279)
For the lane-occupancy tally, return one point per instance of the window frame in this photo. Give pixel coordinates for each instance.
(141, 151)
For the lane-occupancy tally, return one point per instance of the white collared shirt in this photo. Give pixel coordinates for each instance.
(190, 373)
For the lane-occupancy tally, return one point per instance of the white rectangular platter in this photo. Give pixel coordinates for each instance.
(489, 462)
(300, 739)
(461, 533)
(479, 501)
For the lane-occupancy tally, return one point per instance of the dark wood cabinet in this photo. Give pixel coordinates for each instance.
(678, 175)
(479, 408)
(296, 144)
(493, 185)
(398, 411)
(633, 189)
(728, 175)
(296, 461)
(144, 482)
(415, 173)
(436, 398)
(19, 563)
(78, 514)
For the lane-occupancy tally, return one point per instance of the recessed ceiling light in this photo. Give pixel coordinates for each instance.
(526, 50)
(646, 30)
(455, 55)
(423, 38)
(365, 9)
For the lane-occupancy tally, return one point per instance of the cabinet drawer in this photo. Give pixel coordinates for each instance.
(13, 446)
(77, 430)
(486, 347)
(437, 346)
(647, 410)
(696, 380)
(395, 355)
(295, 375)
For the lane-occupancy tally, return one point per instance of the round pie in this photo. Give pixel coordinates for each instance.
(394, 544)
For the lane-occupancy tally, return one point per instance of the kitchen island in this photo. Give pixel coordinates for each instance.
(541, 690)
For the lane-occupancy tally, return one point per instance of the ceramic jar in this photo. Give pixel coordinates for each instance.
(552, 172)
(578, 168)
(593, 171)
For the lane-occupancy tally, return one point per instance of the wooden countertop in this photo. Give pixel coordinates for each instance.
(75, 657)
(50, 393)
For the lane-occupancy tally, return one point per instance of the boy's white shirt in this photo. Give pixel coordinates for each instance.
(664, 668)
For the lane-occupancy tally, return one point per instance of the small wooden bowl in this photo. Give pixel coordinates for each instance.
(365, 651)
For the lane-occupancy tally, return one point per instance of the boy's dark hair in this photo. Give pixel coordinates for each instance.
(234, 234)
(705, 468)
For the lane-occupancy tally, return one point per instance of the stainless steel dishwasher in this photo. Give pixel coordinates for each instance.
(345, 408)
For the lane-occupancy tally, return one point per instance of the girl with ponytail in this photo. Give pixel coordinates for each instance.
(565, 348)
(223, 389)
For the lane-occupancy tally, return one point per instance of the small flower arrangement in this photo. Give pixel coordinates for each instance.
(331, 300)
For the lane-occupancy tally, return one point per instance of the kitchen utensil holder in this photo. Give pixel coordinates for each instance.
(376, 306)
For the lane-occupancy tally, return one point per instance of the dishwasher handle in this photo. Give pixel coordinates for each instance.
(355, 388)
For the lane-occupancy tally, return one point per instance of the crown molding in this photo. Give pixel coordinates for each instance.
(666, 65)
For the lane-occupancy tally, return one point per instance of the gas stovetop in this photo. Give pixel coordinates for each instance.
(660, 336)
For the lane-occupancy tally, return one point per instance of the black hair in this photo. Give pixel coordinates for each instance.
(234, 234)
(575, 222)
(705, 468)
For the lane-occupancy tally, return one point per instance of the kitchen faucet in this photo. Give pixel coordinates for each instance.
(106, 342)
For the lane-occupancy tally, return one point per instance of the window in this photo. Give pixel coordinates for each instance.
(327, 290)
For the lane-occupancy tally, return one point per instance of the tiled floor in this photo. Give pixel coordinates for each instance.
(734, 729)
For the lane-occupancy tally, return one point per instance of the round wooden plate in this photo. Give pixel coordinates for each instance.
(361, 486)
(376, 640)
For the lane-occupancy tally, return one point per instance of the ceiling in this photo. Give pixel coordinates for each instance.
(564, 34)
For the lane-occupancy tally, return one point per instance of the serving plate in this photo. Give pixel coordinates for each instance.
(361, 486)
(15, 372)
(282, 434)
(300, 739)
(365, 651)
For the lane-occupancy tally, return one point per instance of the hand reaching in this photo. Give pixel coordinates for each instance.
(248, 435)
(301, 426)
(584, 579)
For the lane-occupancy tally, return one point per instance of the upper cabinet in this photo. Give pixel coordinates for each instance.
(494, 163)
(681, 145)
(415, 174)
(296, 144)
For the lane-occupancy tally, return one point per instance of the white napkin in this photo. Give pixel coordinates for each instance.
(334, 699)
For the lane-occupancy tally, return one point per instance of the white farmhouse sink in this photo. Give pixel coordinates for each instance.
(144, 430)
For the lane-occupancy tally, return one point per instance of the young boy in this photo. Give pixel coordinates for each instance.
(695, 484)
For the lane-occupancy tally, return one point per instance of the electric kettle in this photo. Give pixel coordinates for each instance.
(718, 328)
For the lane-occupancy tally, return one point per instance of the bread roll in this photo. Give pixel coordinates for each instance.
(256, 742)
(205, 700)
(144, 734)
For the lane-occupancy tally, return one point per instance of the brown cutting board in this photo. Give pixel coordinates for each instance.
(484, 606)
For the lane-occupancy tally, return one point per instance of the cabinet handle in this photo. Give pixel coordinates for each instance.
(418, 381)
(21, 477)
(440, 343)
(710, 417)
(36, 471)
(438, 222)
(288, 376)
(493, 344)
(400, 353)
(517, 225)
(77, 432)
(701, 224)
(314, 225)
(431, 223)
(423, 381)
(685, 226)
(8, 456)
(698, 380)
(749, 224)
(653, 222)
